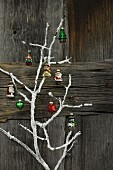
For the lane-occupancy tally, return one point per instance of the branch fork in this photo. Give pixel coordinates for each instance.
(36, 124)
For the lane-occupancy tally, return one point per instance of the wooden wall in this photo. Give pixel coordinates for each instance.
(90, 39)
(90, 29)
(25, 20)
(91, 82)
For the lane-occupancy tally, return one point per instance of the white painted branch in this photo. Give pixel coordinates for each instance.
(65, 61)
(30, 131)
(38, 70)
(76, 106)
(23, 95)
(64, 153)
(15, 78)
(57, 98)
(18, 141)
(67, 88)
(39, 124)
(47, 25)
(61, 104)
(38, 45)
(18, 81)
(62, 146)
(41, 58)
(87, 104)
(40, 86)
(34, 129)
(6, 72)
(38, 157)
(61, 62)
(34, 93)
(53, 41)
(71, 146)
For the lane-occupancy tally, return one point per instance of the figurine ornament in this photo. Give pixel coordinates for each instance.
(71, 121)
(28, 59)
(58, 77)
(47, 70)
(51, 107)
(10, 90)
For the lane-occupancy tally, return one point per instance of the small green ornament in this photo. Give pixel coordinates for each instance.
(71, 121)
(62, 35)
(19, 104)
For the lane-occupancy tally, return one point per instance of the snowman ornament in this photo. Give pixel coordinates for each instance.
(10, 90)
(58, 77)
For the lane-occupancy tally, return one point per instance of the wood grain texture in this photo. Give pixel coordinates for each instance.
(91, 83)
(14, 156)
(90, 29)
(25, 20)
(97, 140)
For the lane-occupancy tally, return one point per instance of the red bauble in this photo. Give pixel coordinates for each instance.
(51, 107)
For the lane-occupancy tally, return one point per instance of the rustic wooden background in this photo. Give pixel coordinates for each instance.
(89, 27)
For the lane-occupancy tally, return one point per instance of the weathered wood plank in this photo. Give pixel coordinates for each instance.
(97, 140)
(90, 29)
(91, 83)
(26, 21)
(14, 156)
(73, 158)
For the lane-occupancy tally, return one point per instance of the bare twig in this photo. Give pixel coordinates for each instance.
(23, 95)
(62, 146)
(35, 123)
(62, 62)
(53, 41)
(18, 141)
(64, 153)
(30, 131)
(16, 79)
(41, 58)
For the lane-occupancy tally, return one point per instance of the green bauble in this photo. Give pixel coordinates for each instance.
(62, 35)
(19, 104)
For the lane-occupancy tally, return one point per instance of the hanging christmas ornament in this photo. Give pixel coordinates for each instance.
(47, 70)
(19, 104)
(62, 35)
(58, 77)
(51, 107)
(10, 90)
(28, 59)
(71, 121)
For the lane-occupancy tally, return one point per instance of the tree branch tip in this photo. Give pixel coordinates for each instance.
(88, 104)
(79, 132)
(64, 16)
(47, 24)
(23, 42)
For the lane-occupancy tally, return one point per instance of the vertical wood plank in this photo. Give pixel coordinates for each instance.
(56, 131)
(14, 156)
(73, 158)
(26, 21)
(97, 142)
(90, 29)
